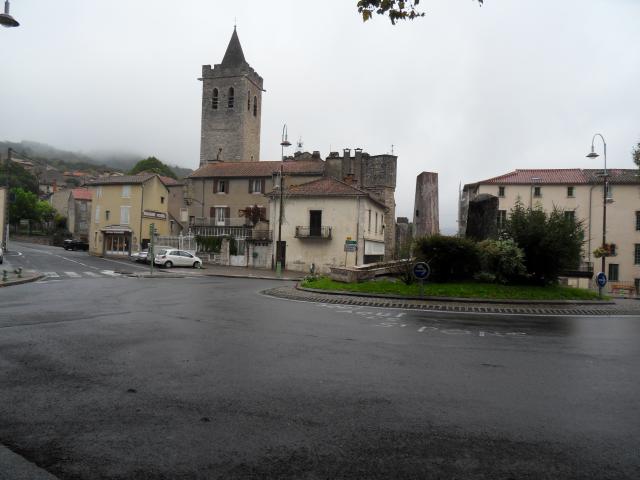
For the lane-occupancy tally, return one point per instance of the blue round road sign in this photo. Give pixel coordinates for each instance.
(421, 270)
(601, 279)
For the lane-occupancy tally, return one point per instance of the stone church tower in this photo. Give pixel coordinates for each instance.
(231, 108)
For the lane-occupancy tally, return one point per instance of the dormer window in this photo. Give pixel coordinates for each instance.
(231, 98)
(214, 102)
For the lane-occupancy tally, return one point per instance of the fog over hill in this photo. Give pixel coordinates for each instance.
(99, 160)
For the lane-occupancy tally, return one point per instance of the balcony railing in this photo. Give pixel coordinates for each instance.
(213, 222)
(323, 233)
(246, 233)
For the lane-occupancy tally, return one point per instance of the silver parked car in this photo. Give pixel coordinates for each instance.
(176, 258)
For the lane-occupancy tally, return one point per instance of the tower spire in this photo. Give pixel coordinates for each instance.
(234, 56)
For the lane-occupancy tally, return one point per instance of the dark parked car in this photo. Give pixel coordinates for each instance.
(75, 244)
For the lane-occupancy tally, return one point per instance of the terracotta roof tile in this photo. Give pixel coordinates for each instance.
(81, 194)
(325, 187)
(258, 169)
(131, 180)
(563, 176)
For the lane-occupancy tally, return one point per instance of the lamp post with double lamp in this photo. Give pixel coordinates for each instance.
(605, 175)
(7, 20)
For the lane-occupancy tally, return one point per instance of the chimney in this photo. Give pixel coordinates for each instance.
(350, 179)
(315, 155)
(358, 152)
(55, 185)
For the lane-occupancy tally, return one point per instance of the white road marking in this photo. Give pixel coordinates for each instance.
(51, 274)
(421, 329)
(91, 274)
(111, 273)
(72, 274)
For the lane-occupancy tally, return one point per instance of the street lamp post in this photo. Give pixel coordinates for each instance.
(605, 175)
(7, 20)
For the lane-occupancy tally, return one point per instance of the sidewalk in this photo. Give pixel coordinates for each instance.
(13, 278)
(222, 271)
(446, 305)
(15, 467)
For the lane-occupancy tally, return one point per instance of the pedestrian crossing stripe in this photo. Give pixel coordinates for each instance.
(72, 274)
(110, 273)
(92, 274)
(102, 274)
(51, 274)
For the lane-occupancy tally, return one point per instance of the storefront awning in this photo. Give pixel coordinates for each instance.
(116, 230)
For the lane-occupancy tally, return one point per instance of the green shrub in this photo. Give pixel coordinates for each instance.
(209, 244)
(450, 258)
(551, 242)
(501, 259)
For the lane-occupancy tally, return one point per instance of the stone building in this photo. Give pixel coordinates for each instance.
(580, 193)
(376, 175)
(231, 108)
(404, 237)
(425, 207)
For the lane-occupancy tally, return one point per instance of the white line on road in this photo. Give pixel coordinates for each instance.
(110, 273)
(51, 274)
(421, 329)
(91, 274)
(72, 274)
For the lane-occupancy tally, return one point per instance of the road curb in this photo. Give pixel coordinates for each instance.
(16, 467)
(256, 277)
(490, 301)
(21, 281)
(291, 293)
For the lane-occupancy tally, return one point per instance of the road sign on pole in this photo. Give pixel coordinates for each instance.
(150, 252)
(421, 271)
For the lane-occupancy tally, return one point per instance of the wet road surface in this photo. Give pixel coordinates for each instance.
(206, 378)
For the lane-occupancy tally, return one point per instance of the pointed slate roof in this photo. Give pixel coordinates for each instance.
(234, 56)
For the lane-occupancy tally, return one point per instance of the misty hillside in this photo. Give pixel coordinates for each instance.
(64, 160)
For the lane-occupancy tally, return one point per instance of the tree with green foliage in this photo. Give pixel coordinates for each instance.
(19, 177)
(394, 9)
(450, 258)
(551, 242)
(502, 261)
(152, 164)
(635, 154)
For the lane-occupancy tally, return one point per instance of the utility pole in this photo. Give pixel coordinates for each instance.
(4, 235)
(279, 265)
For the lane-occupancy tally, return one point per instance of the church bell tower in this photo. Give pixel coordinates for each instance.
(231, 108)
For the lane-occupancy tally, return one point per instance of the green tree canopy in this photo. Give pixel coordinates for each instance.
(551, 242)
(635, 154)
(23, 207)
(394, 9)
(19, 177)
(152, 164)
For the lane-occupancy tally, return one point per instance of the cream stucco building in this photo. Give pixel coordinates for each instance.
(580, 193)
(321, 217)
(123, 209)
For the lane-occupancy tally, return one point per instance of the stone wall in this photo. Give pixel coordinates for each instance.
(425, 207)
(482, 219)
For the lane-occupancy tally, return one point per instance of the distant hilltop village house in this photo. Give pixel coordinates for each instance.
(337, 211)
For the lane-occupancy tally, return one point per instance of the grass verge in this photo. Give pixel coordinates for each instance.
(459, 290)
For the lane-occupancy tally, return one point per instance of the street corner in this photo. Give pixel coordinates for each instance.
(17, 276)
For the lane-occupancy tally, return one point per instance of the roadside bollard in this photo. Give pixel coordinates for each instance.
(18, 271)
(5, 275)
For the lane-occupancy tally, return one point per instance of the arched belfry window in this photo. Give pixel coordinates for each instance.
(248, 101)
(214, 101)
(255, 106)
(231, 98)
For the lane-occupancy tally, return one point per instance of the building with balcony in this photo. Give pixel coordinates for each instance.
(328, 223)
(580, 193)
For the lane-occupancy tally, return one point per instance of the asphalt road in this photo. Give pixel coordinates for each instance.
(205, 378)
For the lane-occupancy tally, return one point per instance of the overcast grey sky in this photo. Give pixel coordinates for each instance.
(467, 92)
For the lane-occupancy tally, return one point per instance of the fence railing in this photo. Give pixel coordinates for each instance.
(226, 222)
(313, 232)
(239, 233)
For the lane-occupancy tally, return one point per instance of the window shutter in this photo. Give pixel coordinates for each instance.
(262, 186)
(215, 185)
(227, 215)
(212, 212)
(263, 211)
(251, 185)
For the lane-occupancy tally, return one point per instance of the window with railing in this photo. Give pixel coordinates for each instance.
(308, 232)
